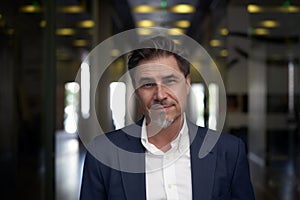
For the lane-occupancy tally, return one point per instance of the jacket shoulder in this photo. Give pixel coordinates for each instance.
(211, 140)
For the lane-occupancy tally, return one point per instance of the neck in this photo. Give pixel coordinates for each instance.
(162, 137)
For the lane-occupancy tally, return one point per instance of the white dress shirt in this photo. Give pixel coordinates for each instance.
(168, 174)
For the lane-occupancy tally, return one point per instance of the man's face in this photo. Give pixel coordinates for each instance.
(161, 89)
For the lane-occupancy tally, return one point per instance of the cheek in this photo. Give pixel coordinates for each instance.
(182, 101)
(180, 94)
(143, 98)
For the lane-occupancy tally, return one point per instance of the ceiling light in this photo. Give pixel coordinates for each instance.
(254, 8)
(182, 8)
(80, 43)
(177, 41)
(31, 9)
(71, 9)
(224, 31)
(176, 31)
(269, 23)
(289, 9)
(144, 9)
(145, 23)
(65, 31)
(43, 24)
(86, 24)
(261, 31)
(224, 53)
(144, 31)
(182, 23)
(215, 43)
(284, 9)
(114, 52)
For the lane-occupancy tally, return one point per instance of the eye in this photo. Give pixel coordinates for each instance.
(148, 85)
(170, 81)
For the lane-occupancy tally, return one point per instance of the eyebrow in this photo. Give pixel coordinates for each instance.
(170, 76)
(163, 78)
(144, 79)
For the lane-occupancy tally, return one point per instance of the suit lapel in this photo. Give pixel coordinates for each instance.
(132, 165)
(202, 168)
(134, 185)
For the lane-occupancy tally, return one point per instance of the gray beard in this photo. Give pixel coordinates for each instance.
(162, 122)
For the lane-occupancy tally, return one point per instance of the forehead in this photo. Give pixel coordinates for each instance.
(157, 67)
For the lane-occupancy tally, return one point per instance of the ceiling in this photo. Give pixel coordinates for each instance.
(123, 16)
(164, 13)
(217, 20)
(224, 27)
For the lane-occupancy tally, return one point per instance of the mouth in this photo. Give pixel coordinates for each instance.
(160, 107)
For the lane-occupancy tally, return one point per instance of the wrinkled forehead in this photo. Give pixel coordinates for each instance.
(156, 71)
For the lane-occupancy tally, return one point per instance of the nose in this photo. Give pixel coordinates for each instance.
(160, 93)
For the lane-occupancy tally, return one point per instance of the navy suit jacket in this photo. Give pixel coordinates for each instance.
(219, 166)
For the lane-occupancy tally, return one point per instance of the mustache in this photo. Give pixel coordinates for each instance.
(161, 104)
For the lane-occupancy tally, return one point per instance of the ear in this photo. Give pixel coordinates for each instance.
(188, 83)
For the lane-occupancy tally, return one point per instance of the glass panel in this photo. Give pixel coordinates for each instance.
(118, 103)
(197, 103)
(71, 107)
(213, 105)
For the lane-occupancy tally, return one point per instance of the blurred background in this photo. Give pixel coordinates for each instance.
(255, 44)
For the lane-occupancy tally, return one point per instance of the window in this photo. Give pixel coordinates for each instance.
(71, 107)
(197, 103)
(118, 103)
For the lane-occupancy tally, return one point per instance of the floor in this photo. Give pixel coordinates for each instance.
(68, 166)
(23, 178)
(278, 181)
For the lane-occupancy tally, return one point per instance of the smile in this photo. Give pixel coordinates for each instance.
(161, 107)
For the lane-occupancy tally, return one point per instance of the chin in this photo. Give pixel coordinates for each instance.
(162, 123)
(165, 123)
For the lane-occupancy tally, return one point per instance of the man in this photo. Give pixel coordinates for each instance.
(159, 156)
